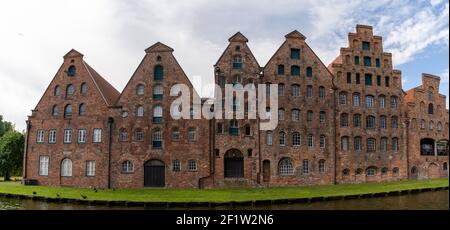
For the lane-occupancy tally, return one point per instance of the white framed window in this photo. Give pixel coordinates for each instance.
(309, 91)
(52, 136)
(127, 166)
(123, 135)
(192, 134)
(383, 144)
(395, 144)
(322, 166)
(97, 136)
(192, 165)
(295, 115)
(139, 111)
(344, 143)
(295, 90)
(343, 98)
(176, 165)
(67, 136)
(393, 102)
(43, 165)
(138, 135)
(66, 167)
(82, 136)
(322, 141)
(158, 90)
(371, 172)
(281, 114)
(356, 100)
(140, 89)
(280, 89)
(90, 168)
(371, 144)
(296, 139)
(382, 122)
(322, 117)
(369, 101)
(381, 100)
(269, 138)
(40, 136)
(285, 167)
(305, 168)
(357, 144)
(282, 140)
(321, 92)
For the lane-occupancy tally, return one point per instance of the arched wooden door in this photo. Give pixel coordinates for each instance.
(233, 164)
(154, 173)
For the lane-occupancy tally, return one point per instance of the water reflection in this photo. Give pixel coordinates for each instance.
(424, 201)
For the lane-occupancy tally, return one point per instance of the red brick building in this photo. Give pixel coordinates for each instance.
(348, 123)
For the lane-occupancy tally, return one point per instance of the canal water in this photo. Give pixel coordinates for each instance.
(438, 200)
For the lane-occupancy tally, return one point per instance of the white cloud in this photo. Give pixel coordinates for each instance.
(113, 35)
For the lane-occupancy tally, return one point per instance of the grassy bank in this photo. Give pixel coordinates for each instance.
(217, 195)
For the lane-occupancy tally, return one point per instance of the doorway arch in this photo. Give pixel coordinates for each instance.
(154, 173)
(233, 164)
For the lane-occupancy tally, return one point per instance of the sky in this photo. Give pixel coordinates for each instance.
(113, 34)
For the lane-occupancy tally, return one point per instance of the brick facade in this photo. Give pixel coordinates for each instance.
(337, 127)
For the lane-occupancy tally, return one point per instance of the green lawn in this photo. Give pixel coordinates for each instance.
(218, 195)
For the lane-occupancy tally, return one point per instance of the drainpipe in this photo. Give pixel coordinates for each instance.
(110, 126)
(25, 153)
(407, 149)
(334, 88)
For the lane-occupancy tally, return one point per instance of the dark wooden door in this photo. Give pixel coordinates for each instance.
(154, 174)
(234, 167)
(266, 171)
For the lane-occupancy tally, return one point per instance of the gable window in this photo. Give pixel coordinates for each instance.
(367, 61)
(158, 92)
(393, 102)
(368, 79)
(66, 168)
(71, 71)
(321, 92)
(366, 45)
(295, 53)
(40, 136)
(158, 73)
(295, 90)
(280, 69)
(356, 60)
(269, 137)
(282, 139)
(344, 143)
(309, 72)
(82, 136)
(280, 89)
(157, 139)
(83, 88)
(370, 122)
(285, 167)
(138, 135)
(237, 79)
(357, 120)
(157, 114)
(237, 62)
(57, 91)
(371, 144)
(139, 111)
(176, 165)
(70, 90)
(357, 144)
(175, 134)
(127, 167)
(68, 111)
(296, 140)
(82, 109)
(97, 136)
(322, 117)
(192, 165)
(67, 136)
(430, 108)
(43, 165)
(295, 70)
(192, 134)
(55, 110)
(140, 89)
(309, 91)
(52, 136)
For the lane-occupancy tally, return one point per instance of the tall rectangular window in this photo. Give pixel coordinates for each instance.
(378, 80)
(82, 136)
(40, 136)
(295, 53)
(386, 81)
(367, 61)
(90, 168)
(357, 78)
(349, 78)
(176, 165)
(97, 136)
(368, 79)
(305, 167)
(377, 62)
(356, 60)
(309, 91)
(52, 136)
(366, 45)
(43, 165)
(67, 136)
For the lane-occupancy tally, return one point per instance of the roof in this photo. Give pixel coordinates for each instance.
(158, 47)
(238, 37)
(295, 34)
(108, 92)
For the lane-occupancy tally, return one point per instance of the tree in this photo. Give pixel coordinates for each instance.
(5, 126)
(11, 153)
